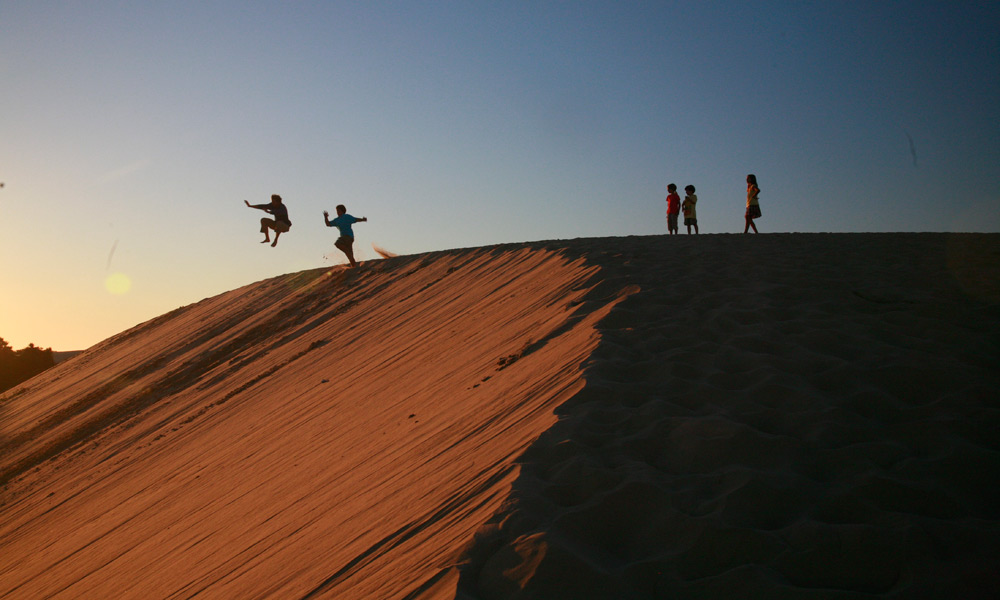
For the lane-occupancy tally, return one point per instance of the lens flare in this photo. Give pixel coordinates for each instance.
(118, 283)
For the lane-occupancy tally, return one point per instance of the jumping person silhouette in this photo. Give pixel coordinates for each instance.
(343, 222)
(279, 223)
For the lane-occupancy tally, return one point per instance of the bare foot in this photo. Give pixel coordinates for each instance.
(266, 240)
(275, 243)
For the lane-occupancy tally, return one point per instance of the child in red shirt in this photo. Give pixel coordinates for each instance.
(673, 208)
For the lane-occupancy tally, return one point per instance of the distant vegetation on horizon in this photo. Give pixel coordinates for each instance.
(20, 365)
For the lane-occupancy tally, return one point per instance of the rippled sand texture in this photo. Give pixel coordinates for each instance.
(783, 416)
(337, 435)
(718, 416)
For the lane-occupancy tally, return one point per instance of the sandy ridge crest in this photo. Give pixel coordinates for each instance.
(782, 416)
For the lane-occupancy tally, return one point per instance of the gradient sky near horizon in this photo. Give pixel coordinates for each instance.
(131, 133)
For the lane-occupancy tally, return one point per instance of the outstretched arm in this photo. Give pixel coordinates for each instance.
(257, 206)
(326, 218)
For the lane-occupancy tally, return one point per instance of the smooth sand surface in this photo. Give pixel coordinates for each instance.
(716, 416)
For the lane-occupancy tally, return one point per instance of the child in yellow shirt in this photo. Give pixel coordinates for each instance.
(688, 206)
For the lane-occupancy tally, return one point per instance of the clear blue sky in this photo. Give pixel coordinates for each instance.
(131, 132)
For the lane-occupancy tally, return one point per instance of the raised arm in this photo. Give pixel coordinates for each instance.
(263, 207)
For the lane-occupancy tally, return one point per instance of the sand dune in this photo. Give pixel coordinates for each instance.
(782, 416)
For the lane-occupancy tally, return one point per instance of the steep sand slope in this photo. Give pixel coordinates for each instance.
(775, 416)
(336, 435)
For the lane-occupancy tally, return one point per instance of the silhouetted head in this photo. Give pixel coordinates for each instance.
(689, 189)
(671, 188)
(751, 179)
(275, 199)
(341, 210)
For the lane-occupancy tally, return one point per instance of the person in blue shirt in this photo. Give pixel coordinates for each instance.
(343, 222)
(279, 223)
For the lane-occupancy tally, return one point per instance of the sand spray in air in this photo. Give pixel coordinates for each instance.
(383, 252)
(378, 250)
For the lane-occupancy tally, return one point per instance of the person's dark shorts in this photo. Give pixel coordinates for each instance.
(688, 221)
(671, 221)
(279, 226)
(344, 240)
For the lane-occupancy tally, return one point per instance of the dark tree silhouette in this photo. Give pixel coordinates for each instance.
(21, 365)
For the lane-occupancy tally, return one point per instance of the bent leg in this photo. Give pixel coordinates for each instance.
(265, 224)
(346, 245)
